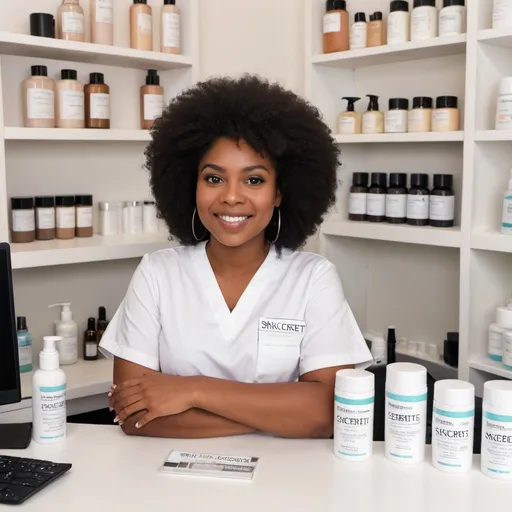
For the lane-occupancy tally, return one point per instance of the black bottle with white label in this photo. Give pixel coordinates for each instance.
(442, 201)
(358, 196)
(418, 201)
(376, 200)
(396, 198)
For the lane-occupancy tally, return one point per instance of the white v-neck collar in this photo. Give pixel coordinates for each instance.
(231, 321)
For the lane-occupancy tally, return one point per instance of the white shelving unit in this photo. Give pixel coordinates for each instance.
(425, 281)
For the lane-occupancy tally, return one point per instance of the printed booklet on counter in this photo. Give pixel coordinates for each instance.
(210, 464)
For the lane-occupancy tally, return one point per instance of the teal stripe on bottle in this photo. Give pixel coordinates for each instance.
(499, 471)
(350, 401)
(52, 389)
(507, 367)
(496, 357)
(497, 417)
(24, 368)
(401, 456)
(452, 414)
(407, 398)
(506, 224)
(448, 465)
(352, 454)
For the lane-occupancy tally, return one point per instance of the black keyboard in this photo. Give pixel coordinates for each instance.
(21, 478)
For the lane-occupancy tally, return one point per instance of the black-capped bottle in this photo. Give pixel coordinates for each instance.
(358, 196)
(91, 341)
(396, 198)
(418, 201)
(376, 200)
(442, 201)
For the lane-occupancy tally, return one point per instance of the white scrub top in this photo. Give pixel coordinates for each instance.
(292, 319)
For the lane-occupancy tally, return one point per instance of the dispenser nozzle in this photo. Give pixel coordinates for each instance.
(351, 102)
(374, 102)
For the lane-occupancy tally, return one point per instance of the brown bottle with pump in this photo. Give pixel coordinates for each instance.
(90, 341)
(102, 322)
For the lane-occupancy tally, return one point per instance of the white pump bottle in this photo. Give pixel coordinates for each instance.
(49, 396)
(67, 329)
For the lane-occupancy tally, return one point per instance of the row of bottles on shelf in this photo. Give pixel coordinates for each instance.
(70, 24)
(422, 24)
(67, 103)
(67, 329)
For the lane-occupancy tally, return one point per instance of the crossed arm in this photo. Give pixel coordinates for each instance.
(150, 403)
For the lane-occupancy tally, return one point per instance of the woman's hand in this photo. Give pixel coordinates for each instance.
(158, 394)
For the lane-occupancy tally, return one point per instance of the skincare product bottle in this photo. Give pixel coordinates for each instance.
(149, 217)
(378, 348)
(424, 20)
(336, 27)
(373, 118)
(97, 102)
(65, 218)
(45, 217)
(399, 22)
(42, 24)
(453, 426)
(170, 28)
(358, 32)
(506, 216)
(495, 336)
(24, 345)
(49, 396)
(102, 322)
(353, 414)
(70, 21)
(391, 342)
(451, 349)
(406, 413)
(109, 218)
(91, 341)
(350, 121)
(38, 99)
(102, 21)
(418, 201)
(502, 14)
(376, 199)
(504, 105)
(396, 199)
(84, 225)
(358, 196)
(446, 116)
(151, 100)
(141, 26)
(496, 458)
(504, 315)
(395, 119)
(23, 227)
(507, 350)
(66, 329)
(70, 101)
(376, 30)
(420, 116)
(132, 217)
(452, 18)
(442, 201)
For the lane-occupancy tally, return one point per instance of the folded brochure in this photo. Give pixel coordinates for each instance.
(210, 464)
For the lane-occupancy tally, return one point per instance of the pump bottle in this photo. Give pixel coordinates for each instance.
(66, 329)
(49, 396)
(349, 122)
(506, 218)
(373, 118)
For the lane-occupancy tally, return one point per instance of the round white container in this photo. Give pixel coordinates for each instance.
(399, 23)
(406, 412)
(504, 315)
(353, 414)
(452, 18)
(424, 20)
(149, 217)
(496, 460)
(109, 218)
(507, 350)
(453, 426)
(132, 217)
(495, 342)
(502, 14)
(359, 32)
(504, 105)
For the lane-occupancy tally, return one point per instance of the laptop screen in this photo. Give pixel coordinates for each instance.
(9, 373)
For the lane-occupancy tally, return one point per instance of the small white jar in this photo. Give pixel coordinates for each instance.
(452, 18)
(109, 218)
(507, 349)
(502, 14)
(495, 342)
(132, 217)
(424, 20)
(149, 217)
(504, 105)
(359, 32)
(399, 22)
(395, 119)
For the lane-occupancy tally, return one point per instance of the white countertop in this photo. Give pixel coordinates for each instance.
(292, 475)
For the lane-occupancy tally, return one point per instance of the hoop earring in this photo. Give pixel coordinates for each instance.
(278, 226)
(194, 229)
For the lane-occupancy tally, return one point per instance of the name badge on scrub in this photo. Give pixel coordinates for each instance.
(281, 331)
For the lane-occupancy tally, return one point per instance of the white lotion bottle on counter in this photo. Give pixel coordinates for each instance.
(67, 330)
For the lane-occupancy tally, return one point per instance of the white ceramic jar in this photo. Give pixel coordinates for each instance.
(424, 20)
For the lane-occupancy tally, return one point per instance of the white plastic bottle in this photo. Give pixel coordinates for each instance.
(452, 18)
(496, 457)
(502, 14)
(399, 22)
(49, 396)
(504, 105)
(353, 414)
(424, 20)
(506, 216)
(406, 412)
(452, 425)
(507, 350)
(359, 32)
(67, 329)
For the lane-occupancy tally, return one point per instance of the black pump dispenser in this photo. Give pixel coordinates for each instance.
(373, 103)
(351, 102)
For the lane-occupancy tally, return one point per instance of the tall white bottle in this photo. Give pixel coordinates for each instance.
(67, 329)
(49, 396)
(506, 216)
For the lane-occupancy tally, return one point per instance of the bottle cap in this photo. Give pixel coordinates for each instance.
(377, 16)
(68, 74)
(45, 202)
(351, 102)
(21, 323)
(169, 2)
(106, 206)
(455, 393)
(379, 179)
(422, 3)
(450, 3)
(452, 337)
(373, 103)
(65, 200)
(335, 5)
(22, 203)
(419, 180)
(443, 180)
(96, 79)
(42, 24)
(360, 16)
(91, 324)
(140, 1)
(49, 357)
(406, 378)
(360, 179)
(399, 5)
(355, 381)
(447, 102)
(498, 393)
(152, 77)
(39, 70)
(422, 102)
(397, 179)
(66, 315)
(84, 200)
(398, 104)
(102, 313)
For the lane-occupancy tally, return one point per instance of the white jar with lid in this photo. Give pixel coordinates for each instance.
(132, 217)
(149, 217)
(109, 218)
(452, 18)
(507, 349)
(399, 22)
(424, 20)
(502, 14)
(504, 105)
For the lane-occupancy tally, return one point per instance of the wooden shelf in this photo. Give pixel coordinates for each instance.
(83, 250)
(491, 241)
(484, 364)
(449, 237)
(383, 138)
(57, 49)
(61, 134)
(438, 47)
(497, 37)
